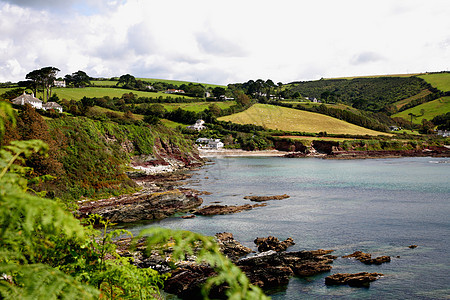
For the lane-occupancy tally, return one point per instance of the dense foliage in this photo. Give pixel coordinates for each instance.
(372, 94)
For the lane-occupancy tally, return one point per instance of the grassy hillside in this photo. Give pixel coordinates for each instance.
(401, 103)
(153, 80)
(281, 118)
(372, 94)
(90, 92)
(431, 109)
(440, 81)
(197, 106)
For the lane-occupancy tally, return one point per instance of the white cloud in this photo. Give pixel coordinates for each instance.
(228, 42)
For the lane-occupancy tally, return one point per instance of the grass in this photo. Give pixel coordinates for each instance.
(153, 80)
(172, 124)
(104, 110)
(401, 103)
(431, 109)
(314, 138)
(440, 81)
(287, 119)
(377, 76)
(78, 93)
(311, 104)
(197, 106)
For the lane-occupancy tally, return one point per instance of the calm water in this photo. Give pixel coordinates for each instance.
(379, 206)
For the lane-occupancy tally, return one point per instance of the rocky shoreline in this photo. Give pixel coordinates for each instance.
(272, 267)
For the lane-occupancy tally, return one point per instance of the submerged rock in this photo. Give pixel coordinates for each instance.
(224, 209)
(367, 259)
(272, 243)
(266, 198)
(362, 279)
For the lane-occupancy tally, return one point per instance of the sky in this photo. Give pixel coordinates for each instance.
(224, 42)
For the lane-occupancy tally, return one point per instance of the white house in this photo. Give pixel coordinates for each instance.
(52, 105)
(30, 99)
(206, 143)
(59, 83)
(198, 125)
(444, 133)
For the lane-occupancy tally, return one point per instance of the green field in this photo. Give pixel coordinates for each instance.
(401, 103)
(431, 109)
(152, 80)
(312, 104)
(197, 106)
(288, 119)
(98, 92)
(440, 81)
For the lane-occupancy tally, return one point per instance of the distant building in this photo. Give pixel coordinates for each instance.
(198, 125)
(206, 143)
(444, 133)
(174, 91)
(59, 83)
(28, 99)
(394, 128)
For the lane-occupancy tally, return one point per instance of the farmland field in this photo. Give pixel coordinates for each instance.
(401, 103)
(78, 93)
(438, 80)
(287, 119)
(197, 106)
(431, 109)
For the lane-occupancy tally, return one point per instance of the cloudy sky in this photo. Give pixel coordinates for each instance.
(224, 41)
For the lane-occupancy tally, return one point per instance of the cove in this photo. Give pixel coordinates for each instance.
(380, 206)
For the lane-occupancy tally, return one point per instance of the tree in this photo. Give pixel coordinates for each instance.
(44, 78)
(127, 80)
(218, 91)
(78, 79)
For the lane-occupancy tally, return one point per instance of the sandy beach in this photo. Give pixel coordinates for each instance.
(239, 152)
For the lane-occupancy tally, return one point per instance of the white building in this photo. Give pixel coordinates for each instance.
(30, 99)
(206, 143)
(198, 125)
(36, 103)
(59, 83)
(52, 105)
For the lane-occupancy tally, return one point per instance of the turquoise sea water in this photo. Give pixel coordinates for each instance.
(380, 206)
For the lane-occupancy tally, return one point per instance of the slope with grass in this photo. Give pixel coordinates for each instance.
(197, 106)
(440, 81)
(401, 103)
(430, 110)
(98, 92)
(287, 119)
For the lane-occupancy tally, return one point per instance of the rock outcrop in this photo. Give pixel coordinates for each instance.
(144, 205)
(215, 209)
(272, 243)
(366, 258)
(230, 247)
(362, 279)
(266, 198)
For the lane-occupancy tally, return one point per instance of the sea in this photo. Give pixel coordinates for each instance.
(378, 206)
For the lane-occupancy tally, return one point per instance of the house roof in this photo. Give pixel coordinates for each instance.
(25, 98)
(51, 105)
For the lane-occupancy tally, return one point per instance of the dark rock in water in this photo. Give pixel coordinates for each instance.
(186, 282)
(230, 247)
(266, 198)
(272, 243)
(269, 269)
(224, 209)
(412, 246)
(362, 279)
(367, 259)
(144, 205)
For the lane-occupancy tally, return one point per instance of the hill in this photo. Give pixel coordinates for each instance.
(427, 110)
(287, 119)
(372, 94)
(440, 81)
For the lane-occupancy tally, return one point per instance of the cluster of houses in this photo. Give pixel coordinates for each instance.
(174, 91)
(36, 103)
(205, 143)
